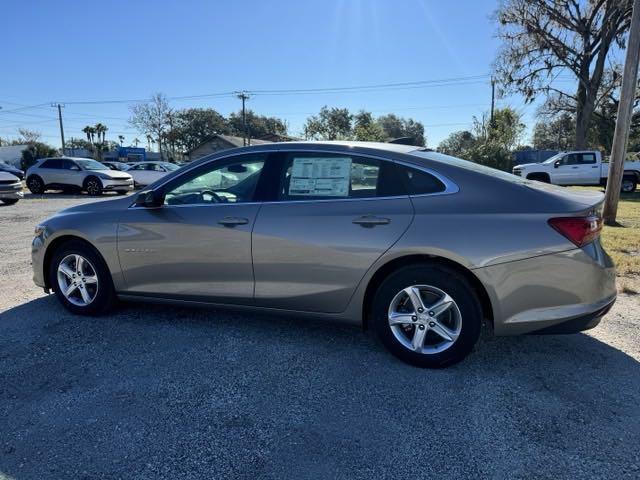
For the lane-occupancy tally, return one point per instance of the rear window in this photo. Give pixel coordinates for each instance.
(467, 165)
(419, 182)
(51, 164)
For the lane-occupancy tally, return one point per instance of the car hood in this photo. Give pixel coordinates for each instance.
(113, 174)
(527, 165)
(8, 176)
(101, 206)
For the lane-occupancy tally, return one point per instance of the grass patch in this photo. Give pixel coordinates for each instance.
(623, 242)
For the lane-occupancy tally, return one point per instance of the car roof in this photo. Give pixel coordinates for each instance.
(389, 147)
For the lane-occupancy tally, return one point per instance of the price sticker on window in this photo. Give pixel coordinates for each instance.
(320, 177)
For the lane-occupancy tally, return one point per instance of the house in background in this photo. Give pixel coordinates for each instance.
(217, 143)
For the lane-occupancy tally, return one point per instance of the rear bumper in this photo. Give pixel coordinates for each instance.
(567, 291)
(577, 324)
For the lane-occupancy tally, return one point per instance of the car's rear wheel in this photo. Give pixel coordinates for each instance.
(427, 315)
(93, 186)
(35, 184)
(10, 201)
(629, 184)
(81, 280)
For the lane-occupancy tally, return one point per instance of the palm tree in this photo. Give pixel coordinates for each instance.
(136, 142)
(101, 130)
(90, 132)
(121, 138)
(149, 142)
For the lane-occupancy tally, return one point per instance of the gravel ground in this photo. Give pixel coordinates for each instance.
(160, 392)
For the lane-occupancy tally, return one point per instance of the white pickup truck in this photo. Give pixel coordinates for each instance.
(578, 168)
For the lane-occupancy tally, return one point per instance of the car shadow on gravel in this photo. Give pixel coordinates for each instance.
(155, 391)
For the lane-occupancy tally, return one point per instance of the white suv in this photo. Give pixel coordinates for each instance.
(78, 174)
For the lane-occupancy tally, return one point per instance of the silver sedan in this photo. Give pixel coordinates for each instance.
(422, 248)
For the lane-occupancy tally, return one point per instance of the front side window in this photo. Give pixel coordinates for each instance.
(231, 181)
(570, 159)
(326, 176)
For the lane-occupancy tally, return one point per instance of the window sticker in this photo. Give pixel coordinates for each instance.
(320, 177)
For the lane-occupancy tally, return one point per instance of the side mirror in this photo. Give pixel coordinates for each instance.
(148, 199)
(556, 164)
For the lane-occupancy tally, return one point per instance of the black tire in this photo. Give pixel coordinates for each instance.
(121, 192)
(105, 297)
(446, 280)
(629, 184)
(10, 201)
(93, 186)
(36, 185)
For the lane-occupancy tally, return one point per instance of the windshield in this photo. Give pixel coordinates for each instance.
(557, 156)
(91, 165)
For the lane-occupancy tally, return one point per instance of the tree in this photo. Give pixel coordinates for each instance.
(136, 142)
(329, 124)
(121, 139)
(193, 126)
(28, 136)
(366, 129)
(544, 38)
(554, 134)
(152, 118)
(490, 143)
(89, 132)
(34, 152)
(457, 143)
(257, 125)
(397, 127)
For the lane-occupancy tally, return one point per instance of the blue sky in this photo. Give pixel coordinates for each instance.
(76, 51)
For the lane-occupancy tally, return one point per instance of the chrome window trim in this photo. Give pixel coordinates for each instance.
(450, 186)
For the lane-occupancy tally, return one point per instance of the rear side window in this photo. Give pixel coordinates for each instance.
(419, 182)
(327, 176)
(587, 158)
(52, 164)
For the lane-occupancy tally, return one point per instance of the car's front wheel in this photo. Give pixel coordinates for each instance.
(93, 186)
(35, 185)
(81, 280)
(10, 201)
(427, 315)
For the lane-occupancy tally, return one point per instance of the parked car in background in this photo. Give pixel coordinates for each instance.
(423, 253)
(5, 167)
(113, 165)
(145, 173)
(578, 168)
(10, 188)
(77, 174)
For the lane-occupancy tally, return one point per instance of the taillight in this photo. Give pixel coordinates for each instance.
(580, 230)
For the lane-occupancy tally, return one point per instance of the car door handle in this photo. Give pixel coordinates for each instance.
(233, 221)
(595, 166)
(574, 167)
(369, 221)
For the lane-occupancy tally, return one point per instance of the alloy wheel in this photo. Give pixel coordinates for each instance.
(77, 280)
(424, 319)
(93, 188)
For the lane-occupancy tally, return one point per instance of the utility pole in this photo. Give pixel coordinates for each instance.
(493, 98)
(623, 122)
(245, 139)
(59, 105)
